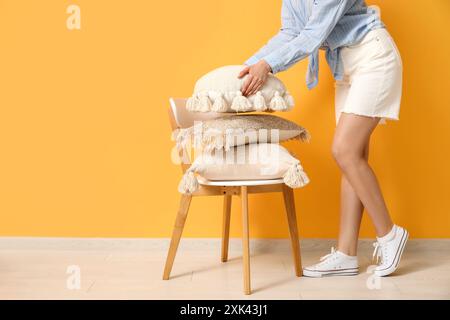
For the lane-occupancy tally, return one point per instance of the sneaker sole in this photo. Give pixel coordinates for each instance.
(394, 266)
(320, 274)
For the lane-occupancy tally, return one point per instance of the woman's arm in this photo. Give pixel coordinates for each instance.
(286, 33)
(259, 69)
(325, 15)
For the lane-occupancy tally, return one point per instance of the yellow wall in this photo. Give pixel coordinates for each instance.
(85, 141)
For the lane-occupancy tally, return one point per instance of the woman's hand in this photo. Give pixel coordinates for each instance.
(257, 76)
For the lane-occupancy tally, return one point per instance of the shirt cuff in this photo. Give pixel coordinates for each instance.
(274, 63)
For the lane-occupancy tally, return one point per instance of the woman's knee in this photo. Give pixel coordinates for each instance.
(345, 155)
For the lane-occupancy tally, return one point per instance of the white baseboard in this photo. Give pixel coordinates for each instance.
(197, 244)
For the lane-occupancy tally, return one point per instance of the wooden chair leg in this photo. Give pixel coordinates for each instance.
(226, 226)
(176, 234)
(245, 240)
(289, 203)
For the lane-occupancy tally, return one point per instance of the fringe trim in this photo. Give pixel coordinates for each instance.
(182, 136)
(207, 101)
(295, 177)
(304, 136)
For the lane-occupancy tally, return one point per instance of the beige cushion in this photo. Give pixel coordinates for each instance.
(220, 91)
(234, 130)
(262, 161)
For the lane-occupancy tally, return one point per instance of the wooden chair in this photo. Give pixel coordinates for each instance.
(181, 118)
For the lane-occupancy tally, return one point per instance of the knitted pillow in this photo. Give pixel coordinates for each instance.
(220, 91)
(234, 130)
(262, 161)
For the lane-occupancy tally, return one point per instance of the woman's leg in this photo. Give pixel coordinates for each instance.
(351, 215)
(350, 141)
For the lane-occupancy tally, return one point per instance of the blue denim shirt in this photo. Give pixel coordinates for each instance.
(310, 25)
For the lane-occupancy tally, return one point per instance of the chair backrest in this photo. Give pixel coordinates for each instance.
(180, 117)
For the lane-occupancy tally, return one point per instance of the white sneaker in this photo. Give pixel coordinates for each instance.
(335, 263)
(390, 252)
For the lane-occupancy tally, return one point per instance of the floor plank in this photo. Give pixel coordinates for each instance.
(36, 268)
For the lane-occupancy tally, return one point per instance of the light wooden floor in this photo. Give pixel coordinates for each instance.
(35, 268)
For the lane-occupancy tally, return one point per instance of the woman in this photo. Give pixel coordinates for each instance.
(368, 71)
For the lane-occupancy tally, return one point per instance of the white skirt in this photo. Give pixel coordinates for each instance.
(372, 83)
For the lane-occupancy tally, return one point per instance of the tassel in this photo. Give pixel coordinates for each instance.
(304, 136)
(259, 102)
(240, 103)
(277, 103)
(188, 183)
(183, 137)
(289, 100)
(204, 104)
(295, 177)
(192, 103)
(220, 105)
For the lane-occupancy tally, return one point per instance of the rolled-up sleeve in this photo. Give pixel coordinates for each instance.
(324, 17)
(286, 33)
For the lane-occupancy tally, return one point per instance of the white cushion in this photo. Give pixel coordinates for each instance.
(220, 91)
(262, 161)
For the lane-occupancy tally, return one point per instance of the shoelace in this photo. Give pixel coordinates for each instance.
(333, 251)
(378, 252)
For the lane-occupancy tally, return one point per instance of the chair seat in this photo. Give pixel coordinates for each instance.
(234, 183)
